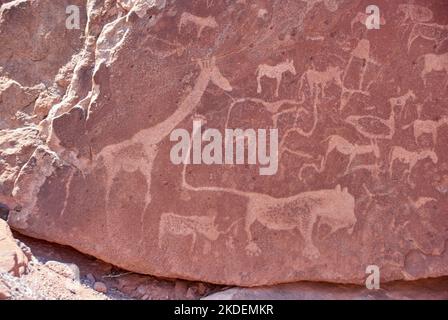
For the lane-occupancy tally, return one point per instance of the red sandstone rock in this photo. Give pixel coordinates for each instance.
(12, 258)
(16, 147)
(100, 287)
(362, 175)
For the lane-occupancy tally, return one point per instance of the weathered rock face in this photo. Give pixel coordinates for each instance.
(362, 125)
(36, 60)
(12, 259)
(35, 41)
(16, 147)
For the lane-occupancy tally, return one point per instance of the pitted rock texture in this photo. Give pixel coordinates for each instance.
(362, 160)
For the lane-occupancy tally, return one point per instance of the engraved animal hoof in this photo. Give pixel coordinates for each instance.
(311, 253)
(252, 249)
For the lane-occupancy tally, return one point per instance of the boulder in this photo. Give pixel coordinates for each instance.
(357, 134)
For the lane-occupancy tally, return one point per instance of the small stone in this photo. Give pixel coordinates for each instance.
(100, 287)
(91, 278)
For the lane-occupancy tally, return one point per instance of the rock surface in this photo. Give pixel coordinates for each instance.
(12, 259)
(16, 147)
(362, 161)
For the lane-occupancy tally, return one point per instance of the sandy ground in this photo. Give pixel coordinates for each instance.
(59, 272)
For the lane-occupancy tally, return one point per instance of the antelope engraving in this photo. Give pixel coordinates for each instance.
(431, 127)
(274, 72)
(319, 80)
(410, 158)
(178, 225)
(271, 107)
(434, 62)
(345, 147)
(200, 22)
(402, 101)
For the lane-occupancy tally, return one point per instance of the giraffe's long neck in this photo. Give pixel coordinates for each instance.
(162, 129)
